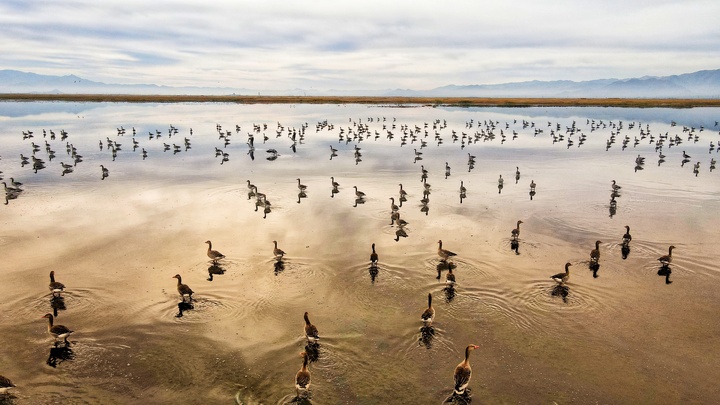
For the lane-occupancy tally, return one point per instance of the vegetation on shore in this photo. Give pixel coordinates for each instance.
(392, 101)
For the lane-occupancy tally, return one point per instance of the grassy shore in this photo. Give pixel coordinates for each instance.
(393, 101)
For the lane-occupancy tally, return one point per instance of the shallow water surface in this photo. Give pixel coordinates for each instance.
(628, 331)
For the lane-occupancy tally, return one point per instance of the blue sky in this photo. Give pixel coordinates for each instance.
(358, 45)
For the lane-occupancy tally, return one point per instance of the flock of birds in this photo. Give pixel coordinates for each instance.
(357, 133)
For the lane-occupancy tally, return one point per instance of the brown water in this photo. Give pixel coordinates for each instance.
(630, 332)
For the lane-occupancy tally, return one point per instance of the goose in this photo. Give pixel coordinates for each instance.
(334, 183)
(214, 255)
(105, 171)
(517, 172)
(562, 278)
(10, 190)
(615, 187)
(393, 207)
(463, 372)
(250, 186)
(183, 289)
(422, 168)
(5, 385)
(595, 253)
(302, 378)
(66, 166)
(311, 332)
(516, 232)
(57, 331)
(463, 190)
(429, 314)
(55, 286)
(403, 194)
(444, 253)
(627, 237)
(18, 184)
(333, 150)
(426, 184)
(278, 252)
(532, 185)
(667, 259)
(399, 221)
(500, 181)
(301, 187)
(373, 256)
(450, 277)
(685, 155)
(417, 154)
(359, 193)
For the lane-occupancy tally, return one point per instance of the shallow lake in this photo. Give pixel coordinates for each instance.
(624, 330)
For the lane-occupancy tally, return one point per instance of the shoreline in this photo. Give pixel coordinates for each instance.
(390, 101)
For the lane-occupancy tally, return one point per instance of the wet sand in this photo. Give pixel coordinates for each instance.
(628, 333)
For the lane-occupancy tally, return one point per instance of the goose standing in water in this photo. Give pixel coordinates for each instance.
(301, 187)
(358, 193)
(627, 237)
(595, 253)
(57, 331)
(463, 190)
(532, 185)
(5, 385)
(562, 278)
(278, 252)
(311, 332)
(516, 232)
(393, 207)
(18, 184)
(403, 194)
(334, 183)
(183, 289)
(463, 372)
(615, 187)
(302, 378)
(450, 277)
(55, 287)
(429, 314)
(250, 185)
(373, 256)
(214, 255)
(11, 190)
(444, 253)
(667, 259)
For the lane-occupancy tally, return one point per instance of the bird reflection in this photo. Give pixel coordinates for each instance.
(625, 250)
(449, 293)
(665, 271)
(400, 233)
(58, 354)
(560, 290)
(279, 265)
(460, 399)
(215, 269)
(358, 201)
(301, 194)
(57, 302)
(427, 333)
(515, 246)
(613, 206)
(532, 194)
(373, 271)
(594, 267)
(313, 351)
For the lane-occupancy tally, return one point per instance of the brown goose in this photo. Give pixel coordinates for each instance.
(183, 289)
(627, 237)
(301, 187)
(278, 252)
(55, 286)
(450, 277)
(214, 255)
(667, 259)
(57, 331)
(562, 278)
(302, 378)
(393, 207)
(444, 253)
(311, 332)
(595, 253)
(429, 314)
(403, 194)
(516, 232)
(463, 372)
(5, 385)
(373, 256)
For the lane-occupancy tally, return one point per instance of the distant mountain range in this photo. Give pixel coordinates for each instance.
(701, 84)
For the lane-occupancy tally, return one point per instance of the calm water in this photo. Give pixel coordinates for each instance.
(629, 332)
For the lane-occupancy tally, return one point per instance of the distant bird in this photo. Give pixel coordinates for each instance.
(685, 155)
(463, 190)
(615, 187)
(627, 237)
(105, 171)
(214, 255)
(463, 372)
(444, 253)
(277, 252)
(57, 331)
(311, 332)
(403, 194)
(393, 207)
(595, 253)
(302, 377)
(373, 256)
(55, 286)
(358, 193)
(562, 278)
(250, 185)
(334, 183)
(516, 232)
(450, 277)
(667, 259)
(5, 385)
(15, 183)
(532, 185)
(11, 190)
(301, 187)
(183, 289)
(429, 314)
(333, 150)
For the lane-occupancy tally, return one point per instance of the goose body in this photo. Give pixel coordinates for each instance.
(562, 278)
(463, 190)
(667, 259)
(11, 190)
(614, 186)
(183, 289)
(15, 183)
(627, 237)
(516, 232)
(55, 287)
(301, 187)
(429, 314)
(373, 256)
(450, 277)
(278, 252)
(57, 331)
(334, 183)
(311, 332)
(393, 206)
(302, 377)
(5, 385)
(444, 253)
(532, 185)
(214, 255)
(358, 193)
(463, 372)
(595, 253)
(403, 194)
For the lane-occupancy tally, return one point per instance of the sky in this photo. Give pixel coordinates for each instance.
(357, 45)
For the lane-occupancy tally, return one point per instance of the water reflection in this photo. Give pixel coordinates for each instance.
(183, 306)
(215, 269)
(427, 334)
(594, 267)
(665, 271)
(59, 354)
(562, 291)
(625, 250)
(57, 303)
(450, 293)
(278, 265)
(515, 246)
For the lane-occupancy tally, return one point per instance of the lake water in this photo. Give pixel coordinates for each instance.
(631, 331)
